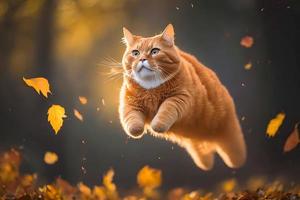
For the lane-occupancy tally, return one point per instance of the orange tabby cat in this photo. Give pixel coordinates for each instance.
(170, 93)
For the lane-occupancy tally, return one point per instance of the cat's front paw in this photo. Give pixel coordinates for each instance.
(159, 127)
(135, 130)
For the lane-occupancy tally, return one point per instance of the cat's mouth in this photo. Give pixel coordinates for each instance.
(146, 68)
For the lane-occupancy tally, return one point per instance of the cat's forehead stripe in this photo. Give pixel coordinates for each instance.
(145, 43)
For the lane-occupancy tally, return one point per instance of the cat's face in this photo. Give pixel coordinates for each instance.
(151, 61)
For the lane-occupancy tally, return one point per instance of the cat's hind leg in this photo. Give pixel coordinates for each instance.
(231, 145)
(203, 158)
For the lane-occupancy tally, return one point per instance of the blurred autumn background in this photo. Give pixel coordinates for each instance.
(66, 41)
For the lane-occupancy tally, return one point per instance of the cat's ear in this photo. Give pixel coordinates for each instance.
(128, 38)
(168, 35)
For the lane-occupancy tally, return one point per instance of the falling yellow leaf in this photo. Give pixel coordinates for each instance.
(229, 185)
(149, 177)
(40, 84)
(274, 124)
(78, 115)
(248, 66)
(56, 113)
(83, 100)
(50, 158)
(293, 140)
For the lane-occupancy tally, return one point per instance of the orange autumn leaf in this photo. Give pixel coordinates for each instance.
(109, 187)
(108, 180)
(40, 84)
(248, 66)
(56, 113)
(229, 185)
(99, 193)
(85, 190)
(28, 180)
(50, 158)
(247, 41)
(149, 177)
(274, 124)
(65, 187)
(293, 140)
(83, 100)
(78, 115)
(50, 192)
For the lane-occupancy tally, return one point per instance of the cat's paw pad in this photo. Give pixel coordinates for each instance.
(159, 127)
(136, 131)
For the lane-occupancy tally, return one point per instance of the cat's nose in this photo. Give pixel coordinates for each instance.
(143, 59)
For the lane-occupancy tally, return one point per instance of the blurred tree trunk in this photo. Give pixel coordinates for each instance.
(7, 34)
(45, 37)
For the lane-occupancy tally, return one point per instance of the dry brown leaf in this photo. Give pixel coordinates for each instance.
(247, 41)
(40, 84)
(50, 158)
(83, 100)
(65, 187)
(293, 140)
(56, 113)
(28, 180)
(78, 115)
(9, 164)
(274, 124)
(248, 66)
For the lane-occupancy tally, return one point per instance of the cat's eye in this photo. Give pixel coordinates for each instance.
(135, 53)
(154, 51)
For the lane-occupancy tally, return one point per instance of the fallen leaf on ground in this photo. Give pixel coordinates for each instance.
(110, 187)
(99, 193)
(50, 158)
(40, 84)
(247, 41)
(78, 115)
(83, 100)
(293, 140)
(274, 124)
(108, 180)
(86, 192)
(56, 113)
(50, 192)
